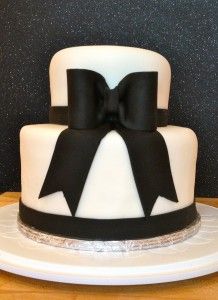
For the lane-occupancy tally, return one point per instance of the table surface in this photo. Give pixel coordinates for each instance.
(18, 287)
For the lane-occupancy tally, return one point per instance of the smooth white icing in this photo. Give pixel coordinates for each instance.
(113, 62)
(110, 172)
(105, 195)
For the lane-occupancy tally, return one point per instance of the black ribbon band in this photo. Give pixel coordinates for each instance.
(114, 229)
(59, 115)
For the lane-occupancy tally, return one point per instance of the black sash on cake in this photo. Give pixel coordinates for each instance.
(93, 111)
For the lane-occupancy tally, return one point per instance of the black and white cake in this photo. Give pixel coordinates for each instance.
(108, 173)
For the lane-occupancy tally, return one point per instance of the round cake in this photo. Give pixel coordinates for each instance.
(108, 173)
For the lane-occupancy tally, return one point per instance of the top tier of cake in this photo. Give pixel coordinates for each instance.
(113, 62)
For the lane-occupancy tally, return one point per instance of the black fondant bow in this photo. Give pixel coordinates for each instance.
(91, 102)
(94, 110)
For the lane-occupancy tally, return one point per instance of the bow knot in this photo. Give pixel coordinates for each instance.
(111, 100)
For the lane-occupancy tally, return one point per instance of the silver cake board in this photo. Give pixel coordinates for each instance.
(196, 256)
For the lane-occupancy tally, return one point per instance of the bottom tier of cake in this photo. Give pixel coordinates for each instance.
(110, 191)
(109, 216)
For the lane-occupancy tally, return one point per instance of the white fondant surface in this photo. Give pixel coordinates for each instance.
(105, 195)
(37, 144)
(110, 172)
(113, 62)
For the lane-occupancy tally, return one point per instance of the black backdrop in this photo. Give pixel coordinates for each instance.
(183, 31)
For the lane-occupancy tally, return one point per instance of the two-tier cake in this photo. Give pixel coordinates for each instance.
(108, 173)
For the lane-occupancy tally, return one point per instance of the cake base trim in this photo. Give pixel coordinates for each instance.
(108, 229)
(109, 246)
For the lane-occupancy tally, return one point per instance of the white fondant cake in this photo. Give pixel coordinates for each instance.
(105, 195)
(110, 191)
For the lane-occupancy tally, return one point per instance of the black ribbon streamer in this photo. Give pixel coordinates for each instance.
(93, 111)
